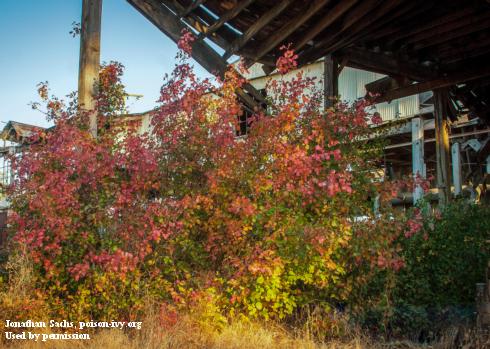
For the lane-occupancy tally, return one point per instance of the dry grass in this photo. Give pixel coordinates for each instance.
(235, 336)
(189, 334)
(194, 331)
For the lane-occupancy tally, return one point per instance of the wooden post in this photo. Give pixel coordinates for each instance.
(442, 146)
(456, 163)
(330, 81)
(418, 165)
(89, 59)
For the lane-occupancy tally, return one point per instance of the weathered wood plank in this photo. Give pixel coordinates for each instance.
(256, 27)
(378, 16)
(447, 34)
(351, 18)
(448, 81)
(205, 55)
(199, 20)
(413, 28)
(288, 28)
(382, 85)
(390, 65)
(332, 15)
(195, 4)
(384, 14)
(467, 24)
(89, 64)
(227, 16)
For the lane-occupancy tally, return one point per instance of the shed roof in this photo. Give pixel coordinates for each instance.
(416, 38)
(19, 132)
(438, 44)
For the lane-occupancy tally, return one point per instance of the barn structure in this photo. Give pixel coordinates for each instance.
(439, 53)
(427, 65)
(418, 45)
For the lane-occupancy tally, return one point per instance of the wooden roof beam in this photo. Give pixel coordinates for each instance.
(330, 17)
(448, 27)
(194, 20)
(460, 49)
(352, 17)
(447, 34)
(456, 78)
(384, 64)
(199, 19)
(334, 42)
(396, 24)
(412, 27)
(385, 14)
(227, 16)
(195, 4)
(170, 24)
(256, 27)
(387, 83)
(288, 28)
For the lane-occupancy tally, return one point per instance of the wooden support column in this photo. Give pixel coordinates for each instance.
(442, 146)
(89, 59)
(418, 165)
(456, 162)
(330, 81)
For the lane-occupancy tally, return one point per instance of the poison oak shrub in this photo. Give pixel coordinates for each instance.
(190, 214)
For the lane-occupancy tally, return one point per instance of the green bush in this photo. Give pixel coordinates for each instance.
(446, 259)
(436, 287)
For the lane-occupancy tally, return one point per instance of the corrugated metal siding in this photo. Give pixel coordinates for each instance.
(388, 111)
(409, 106)
(314, 70)
(351, 87)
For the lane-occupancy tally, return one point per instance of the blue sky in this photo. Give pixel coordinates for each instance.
(35, 46)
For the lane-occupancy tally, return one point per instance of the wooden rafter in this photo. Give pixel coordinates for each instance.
(446, 35)
(195, 4)
(464, 48)
(412, 27)
(199, 19)
(170, 24)
(288, 28)
(348, 21)
(384, 64)
(384, 15)
(332, 43)
(193, 19)
(256, 27)
(456, 78)
(227, 16)
(325, 21)
(456, 55)
(438, 34)
(415, 40)
(382, 85)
